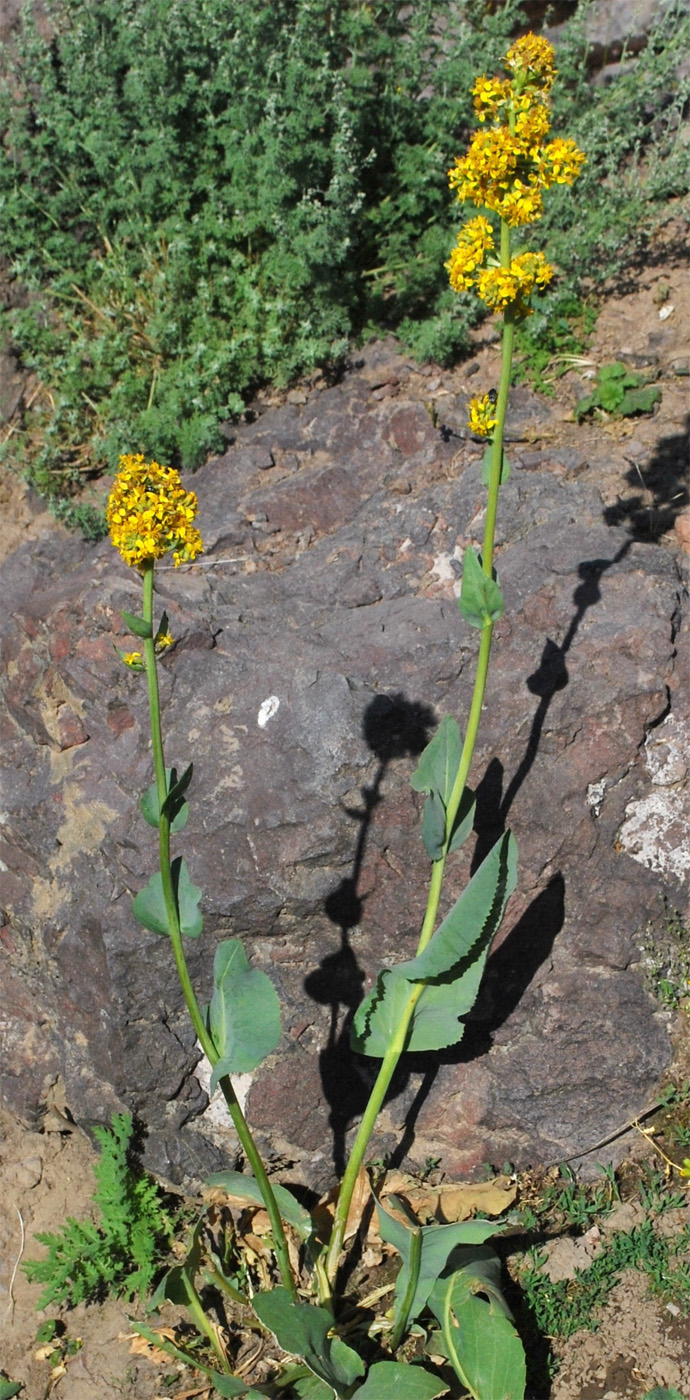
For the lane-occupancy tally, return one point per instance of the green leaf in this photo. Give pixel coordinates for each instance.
(659, 1392)
(163, 627)
(309, 1387)
(481, 600)
(464, 820)
(486, 466)
(9, 1388)
(397, 1380)
(174, 801)
(229, 1386)
(639, 400)
(475, 915)
(137, 625)
(454, 960)
(483, 1346)
(244, 1014)
(238, 1184)
(438, 1243)
(149, 804)
(434, 826)
(438, 764)
(149, 904)
(304, 1330)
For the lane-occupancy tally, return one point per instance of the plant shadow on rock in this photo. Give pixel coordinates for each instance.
(392, 727)
(660, 490)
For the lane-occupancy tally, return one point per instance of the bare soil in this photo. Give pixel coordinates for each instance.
(46, 1176)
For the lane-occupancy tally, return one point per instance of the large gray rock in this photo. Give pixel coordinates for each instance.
(333, 530)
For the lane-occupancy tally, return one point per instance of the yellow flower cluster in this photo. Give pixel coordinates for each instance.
(510, 162)
(512, 286)
(482, 419)
(475, 240)
(149, 513)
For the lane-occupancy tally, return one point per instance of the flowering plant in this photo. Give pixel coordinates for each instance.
(448, 1274)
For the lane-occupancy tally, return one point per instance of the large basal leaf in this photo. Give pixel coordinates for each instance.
(482, 1343)
(438, 765)
(246, 1188)
(304, 1331)
(477, 914)
(149, 904)
(149, 804)
(438, 1243)
(244, 1015)
(397, 1380)
(481, 600)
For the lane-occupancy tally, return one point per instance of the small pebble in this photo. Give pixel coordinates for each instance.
(666, 311)
(681, 367)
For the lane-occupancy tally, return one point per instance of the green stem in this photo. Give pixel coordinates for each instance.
(196, 1310)
(395, 1050)
(239, 1121)
(404, 1312)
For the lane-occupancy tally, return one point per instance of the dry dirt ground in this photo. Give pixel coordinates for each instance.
(46, 1176)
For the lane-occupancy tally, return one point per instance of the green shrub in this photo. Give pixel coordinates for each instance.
(118, 1254)
(204, 197)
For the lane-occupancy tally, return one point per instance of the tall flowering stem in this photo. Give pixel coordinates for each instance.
(507, 167)
(149, 513)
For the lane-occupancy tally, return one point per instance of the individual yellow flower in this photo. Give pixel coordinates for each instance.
(482, 419)
(149, 513)
(164, 640)
(532, 58)
(475, 240)
(133, 659)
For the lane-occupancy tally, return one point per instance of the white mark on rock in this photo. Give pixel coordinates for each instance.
(216, 1115)
(267, 710)
(656, 828)
(595, 795)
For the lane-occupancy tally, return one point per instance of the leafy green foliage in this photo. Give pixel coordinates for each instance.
(204, 197)
(435, 775)
(9, 1388)
(619, 391)
(478, 1334)
(437, 1244)
(244, 1013)
(305, 1330)
(560, 1309)
(449, 970)
(481, 600)
(120, 1252)
(149, 907)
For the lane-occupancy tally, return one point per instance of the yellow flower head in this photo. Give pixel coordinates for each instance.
(149, 513)
(475, 240)
(164, 640)
(482, 419)
(134, 659)
(532, 59)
